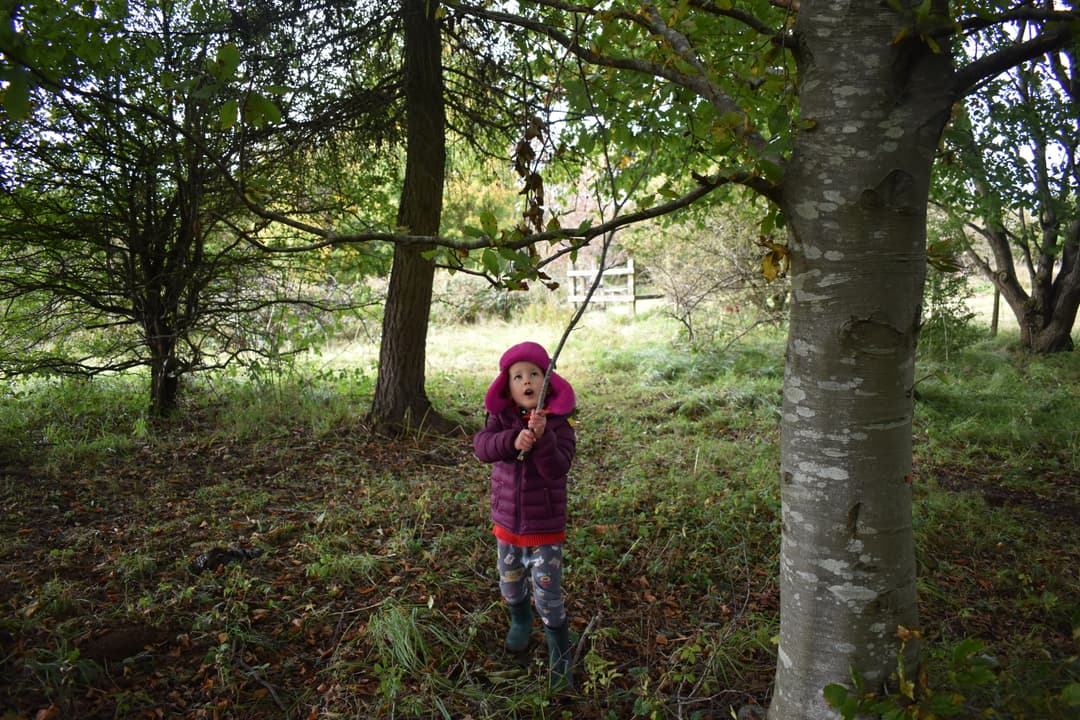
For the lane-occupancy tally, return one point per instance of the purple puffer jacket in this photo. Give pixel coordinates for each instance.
(528, 497)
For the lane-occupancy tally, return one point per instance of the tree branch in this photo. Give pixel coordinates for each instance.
(1054, 37)
(746, 18)
(330, 238)
(700, 84)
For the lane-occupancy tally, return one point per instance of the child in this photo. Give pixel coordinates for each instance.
(530, 450)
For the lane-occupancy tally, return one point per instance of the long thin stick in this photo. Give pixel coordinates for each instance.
(577, 316)
(608, 237)
(570, 327)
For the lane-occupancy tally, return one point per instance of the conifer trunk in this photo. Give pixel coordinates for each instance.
(400, 398)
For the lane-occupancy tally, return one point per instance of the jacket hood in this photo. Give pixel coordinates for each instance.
(559, 398)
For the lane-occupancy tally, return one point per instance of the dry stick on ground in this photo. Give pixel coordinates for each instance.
(254, 672)
(580, 644)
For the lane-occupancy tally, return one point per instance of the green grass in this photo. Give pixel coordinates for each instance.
(375, 595)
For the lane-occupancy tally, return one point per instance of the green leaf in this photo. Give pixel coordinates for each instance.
(260, 110)
(490, 223)
(768, 224)
(979, 675)
(490, 259)
(228, 58)
(271, 111)
(229, 113)
(772, 171)
(514, 256)
(946, 705)
(1070, 695)
(835, 695)
(965, 649)
(667, 191)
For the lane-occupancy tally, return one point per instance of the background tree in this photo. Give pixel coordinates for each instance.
(421, 76)
(850, 171)
(123, 228)
(1011, 179)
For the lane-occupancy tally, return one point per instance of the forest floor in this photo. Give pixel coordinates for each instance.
(371, 590)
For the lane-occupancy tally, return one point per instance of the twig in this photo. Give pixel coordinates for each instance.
(584, 635)
(255, 674)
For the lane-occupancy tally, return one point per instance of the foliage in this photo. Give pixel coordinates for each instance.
(465, 299)
(124, 231)
(660, 107)
(948, 324)
(974, 686)
(475, 286)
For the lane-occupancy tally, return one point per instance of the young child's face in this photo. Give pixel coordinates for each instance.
(525, 381)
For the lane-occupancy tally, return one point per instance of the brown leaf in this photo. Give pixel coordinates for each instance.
(48, 713)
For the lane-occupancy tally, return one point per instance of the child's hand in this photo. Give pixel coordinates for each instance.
(537, 423)
(524, 441)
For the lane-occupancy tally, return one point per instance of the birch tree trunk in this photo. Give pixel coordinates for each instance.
(855, 195)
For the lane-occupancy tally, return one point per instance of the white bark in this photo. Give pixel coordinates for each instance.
(855, 196)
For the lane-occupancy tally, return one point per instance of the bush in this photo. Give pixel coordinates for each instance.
(949, 324)
(466, 300)
(711, 274)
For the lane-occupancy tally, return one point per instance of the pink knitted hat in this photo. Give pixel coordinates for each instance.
(559, 398)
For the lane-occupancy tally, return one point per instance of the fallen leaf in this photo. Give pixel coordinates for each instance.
(48, 713)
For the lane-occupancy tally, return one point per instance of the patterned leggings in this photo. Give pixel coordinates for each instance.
(545, 563)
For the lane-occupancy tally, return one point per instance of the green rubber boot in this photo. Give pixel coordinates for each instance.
(521, 617)
(560, 658)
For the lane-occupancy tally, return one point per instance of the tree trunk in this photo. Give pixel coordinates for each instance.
(1046, 315)
(855, 195)
(400, 400)
(1053, 304)
(1054, 336)
(996, 313)
(164, 386)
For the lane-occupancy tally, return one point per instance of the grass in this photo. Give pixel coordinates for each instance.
(375, 594)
